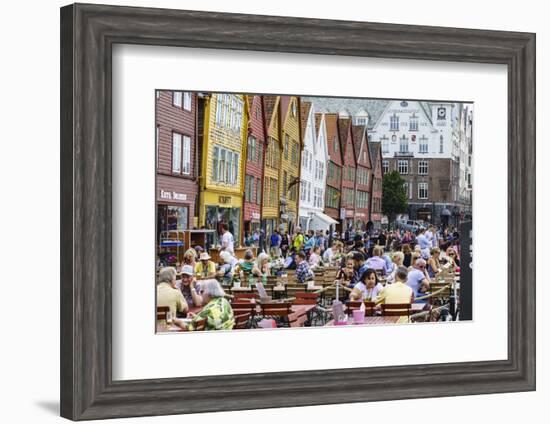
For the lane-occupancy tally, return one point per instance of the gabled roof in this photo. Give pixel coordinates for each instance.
(318, 118)
(358, 133)
(344, 125)
(285, 104)
(269, 103)
(374, 148)
(331, 125)
(305, 107)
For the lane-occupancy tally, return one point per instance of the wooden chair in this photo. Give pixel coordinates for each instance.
(305, 298)
(315, 316)
(396, 309)
(161, 312)
(243, 307)
(244, 297)
(278, 310)
(200, 325)
(241, 321)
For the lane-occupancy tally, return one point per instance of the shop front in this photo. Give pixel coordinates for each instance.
(349, 219)
(269, 225)
(252, 222)
(360, 221)
(174, 211)
(223, 208)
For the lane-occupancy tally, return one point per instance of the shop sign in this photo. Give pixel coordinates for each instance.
(384, 220)
(284, 216)
(224, 200)
(360, 215)
(349, 214)
(255, 215)
(172, 195)
(342, 213)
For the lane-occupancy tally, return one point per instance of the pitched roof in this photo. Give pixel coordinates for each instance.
(269, 102)
(318, 117)
(343, 127)
(284, 105)
(305, 107)
(358, 133)
(374, 107)
(357, 107)
(374, 148)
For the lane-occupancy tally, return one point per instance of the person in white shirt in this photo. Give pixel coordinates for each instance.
(368, 288)
(228, 242)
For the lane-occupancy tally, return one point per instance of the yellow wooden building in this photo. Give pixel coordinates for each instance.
(289, 171)
(270, 203)
(222, 139)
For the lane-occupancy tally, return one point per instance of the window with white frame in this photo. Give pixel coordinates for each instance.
(422, 190)
(423, 167)
(251, 149)
(187, 100)
(360, 120)
(229, 111)
(403, 166)
(413, 123)
(176, 152)
(157, 135)
(177, 98)
(186, 168)
(385, 166)
(394, 122)
(385, 146)
(225, 166)
(302, 191)
(423, 145)
(404, 144)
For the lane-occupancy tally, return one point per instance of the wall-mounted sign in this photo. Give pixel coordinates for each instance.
(224, 200)
(173, 195)
(255, 215)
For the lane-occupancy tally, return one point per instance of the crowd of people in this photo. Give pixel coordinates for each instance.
(406, 262)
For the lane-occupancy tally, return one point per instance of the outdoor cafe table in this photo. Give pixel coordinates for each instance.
(376, 320)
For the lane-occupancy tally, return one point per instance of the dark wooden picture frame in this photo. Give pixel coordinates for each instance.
(88, 33)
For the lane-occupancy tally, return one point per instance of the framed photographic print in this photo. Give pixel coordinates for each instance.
(265, 212)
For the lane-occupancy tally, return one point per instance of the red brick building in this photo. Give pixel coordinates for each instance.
(363, 178)
(376, 192)
(177, 182)
(334, 169)
(348, 173)
(255, 153)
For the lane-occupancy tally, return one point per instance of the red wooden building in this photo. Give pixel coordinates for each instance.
(255, 153)
(177, 179)
(363, 178)
(376, 192)
(348, 173)
(334, 169)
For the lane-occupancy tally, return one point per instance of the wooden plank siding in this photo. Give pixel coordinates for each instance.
(363, 162)
(291, 158)
(349, 168)
(255, 165)
(270, 204)
(170, 119)
(334, 168)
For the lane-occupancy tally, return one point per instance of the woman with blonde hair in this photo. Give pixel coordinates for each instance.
(261, 267)
(397, 259)
(190, 257)
(434, 266)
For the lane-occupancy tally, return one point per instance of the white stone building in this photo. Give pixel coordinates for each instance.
(313, 171)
